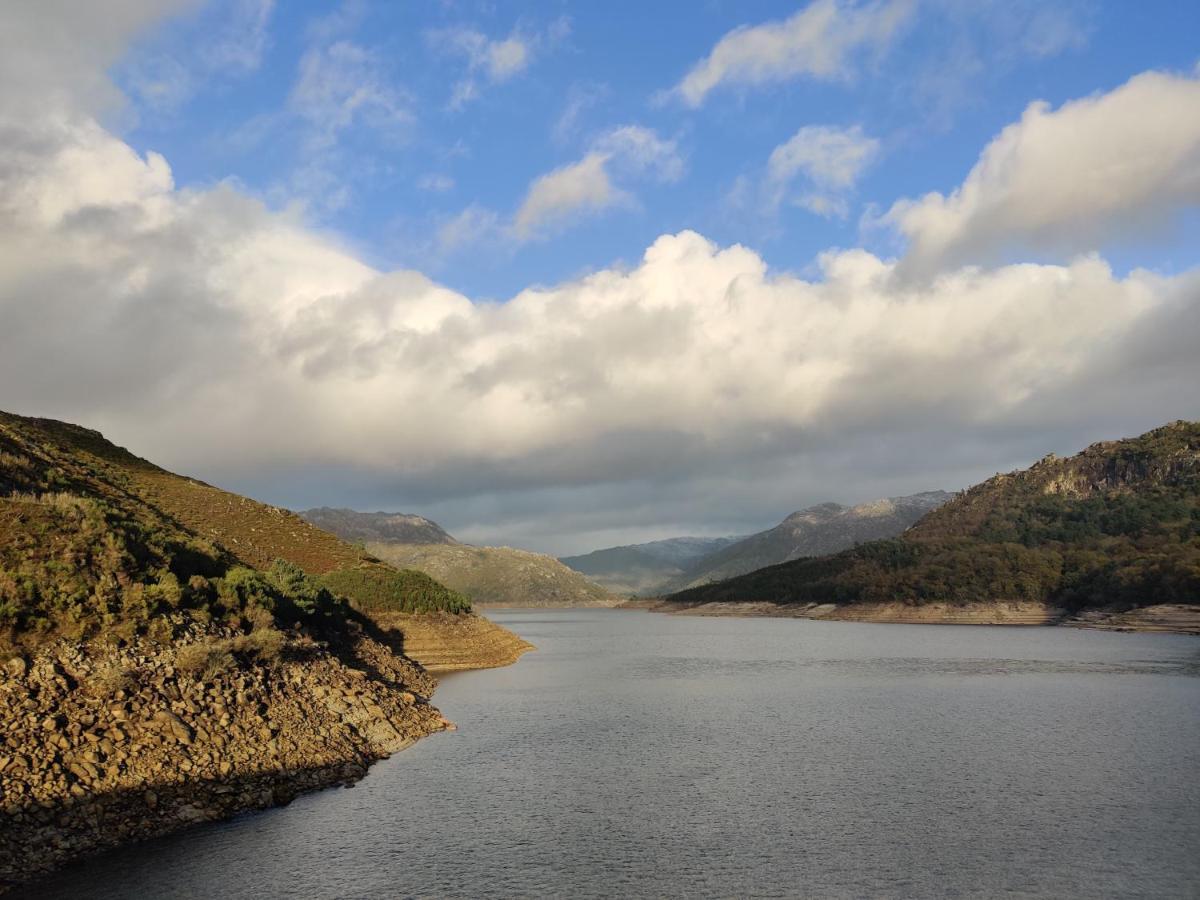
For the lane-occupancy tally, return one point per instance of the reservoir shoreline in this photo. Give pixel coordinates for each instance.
(1167, 618)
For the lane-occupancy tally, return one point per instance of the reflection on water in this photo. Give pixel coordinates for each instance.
(641, 754)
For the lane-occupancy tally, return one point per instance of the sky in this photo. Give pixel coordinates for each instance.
(569, 275)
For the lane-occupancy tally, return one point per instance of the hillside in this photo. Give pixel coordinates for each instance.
(816, 531)
(635, 569)
(93, 537)
(378, 526)
(1115, 528)
(498, 576)
(174, 653)
(488, 576)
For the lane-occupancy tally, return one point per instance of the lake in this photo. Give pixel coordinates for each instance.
(643, 754)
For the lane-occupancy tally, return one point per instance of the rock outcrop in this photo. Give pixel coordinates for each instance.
(101, 746)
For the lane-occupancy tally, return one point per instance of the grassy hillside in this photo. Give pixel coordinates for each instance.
(498, 576)
(93, 538)
(1117, 525)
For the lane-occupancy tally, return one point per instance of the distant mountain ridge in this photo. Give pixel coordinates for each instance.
(1110, 532)
(400, 528)
(643, 568)
(815, 531)
(679, 563)
(489, 576)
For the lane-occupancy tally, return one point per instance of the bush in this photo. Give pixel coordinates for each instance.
(205, 659)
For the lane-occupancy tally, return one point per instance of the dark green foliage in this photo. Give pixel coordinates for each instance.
(394, 590)
(1117, 525)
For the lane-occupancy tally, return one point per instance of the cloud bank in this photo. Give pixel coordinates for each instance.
(218, 336)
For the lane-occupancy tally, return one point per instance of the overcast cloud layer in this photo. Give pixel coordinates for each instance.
(695, 390)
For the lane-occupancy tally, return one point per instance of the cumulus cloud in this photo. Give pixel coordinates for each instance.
(219, 337)
(55, 53)
(820, 41)
(586, 186)
(1066, 179)
(198, 316)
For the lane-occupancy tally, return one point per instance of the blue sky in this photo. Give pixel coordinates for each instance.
(933, 96)
(565, 276)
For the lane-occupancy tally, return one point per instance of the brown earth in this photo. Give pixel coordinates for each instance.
(444, 642)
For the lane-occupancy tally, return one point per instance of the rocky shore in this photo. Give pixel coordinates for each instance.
(101, 746)
(1179, 619)
(443, 642)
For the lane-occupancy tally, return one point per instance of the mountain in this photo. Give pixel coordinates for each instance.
(644, 568)
(379, 526)
(679, 563)
(816, 531)
(489, 576)
(498, 576)
(1110, 534)
(174, 653)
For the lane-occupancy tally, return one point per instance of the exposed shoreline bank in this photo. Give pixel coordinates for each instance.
(1172, 618)
(102, 747)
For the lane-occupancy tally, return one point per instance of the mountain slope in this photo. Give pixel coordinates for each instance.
(816, 531)
(492, 576)
(644, 568)
(1114, 528)
(498, 576)
(378, 526)
(91, 535)
(173, 653)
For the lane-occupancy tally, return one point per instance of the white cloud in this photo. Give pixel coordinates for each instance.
(586, 186)
(55, 54)
(220, 338)
(472, 225)
(225, 40)
(829, 158)
(493, 60)
(344, 83)
(1068, 179)
(818, 42)
(642, 150)
(199, 316)
(569, 190)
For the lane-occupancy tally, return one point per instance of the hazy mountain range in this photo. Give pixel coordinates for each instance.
(641, 569)
(678, 563)
(489, 576)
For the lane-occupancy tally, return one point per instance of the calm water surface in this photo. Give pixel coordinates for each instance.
(642, 754)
